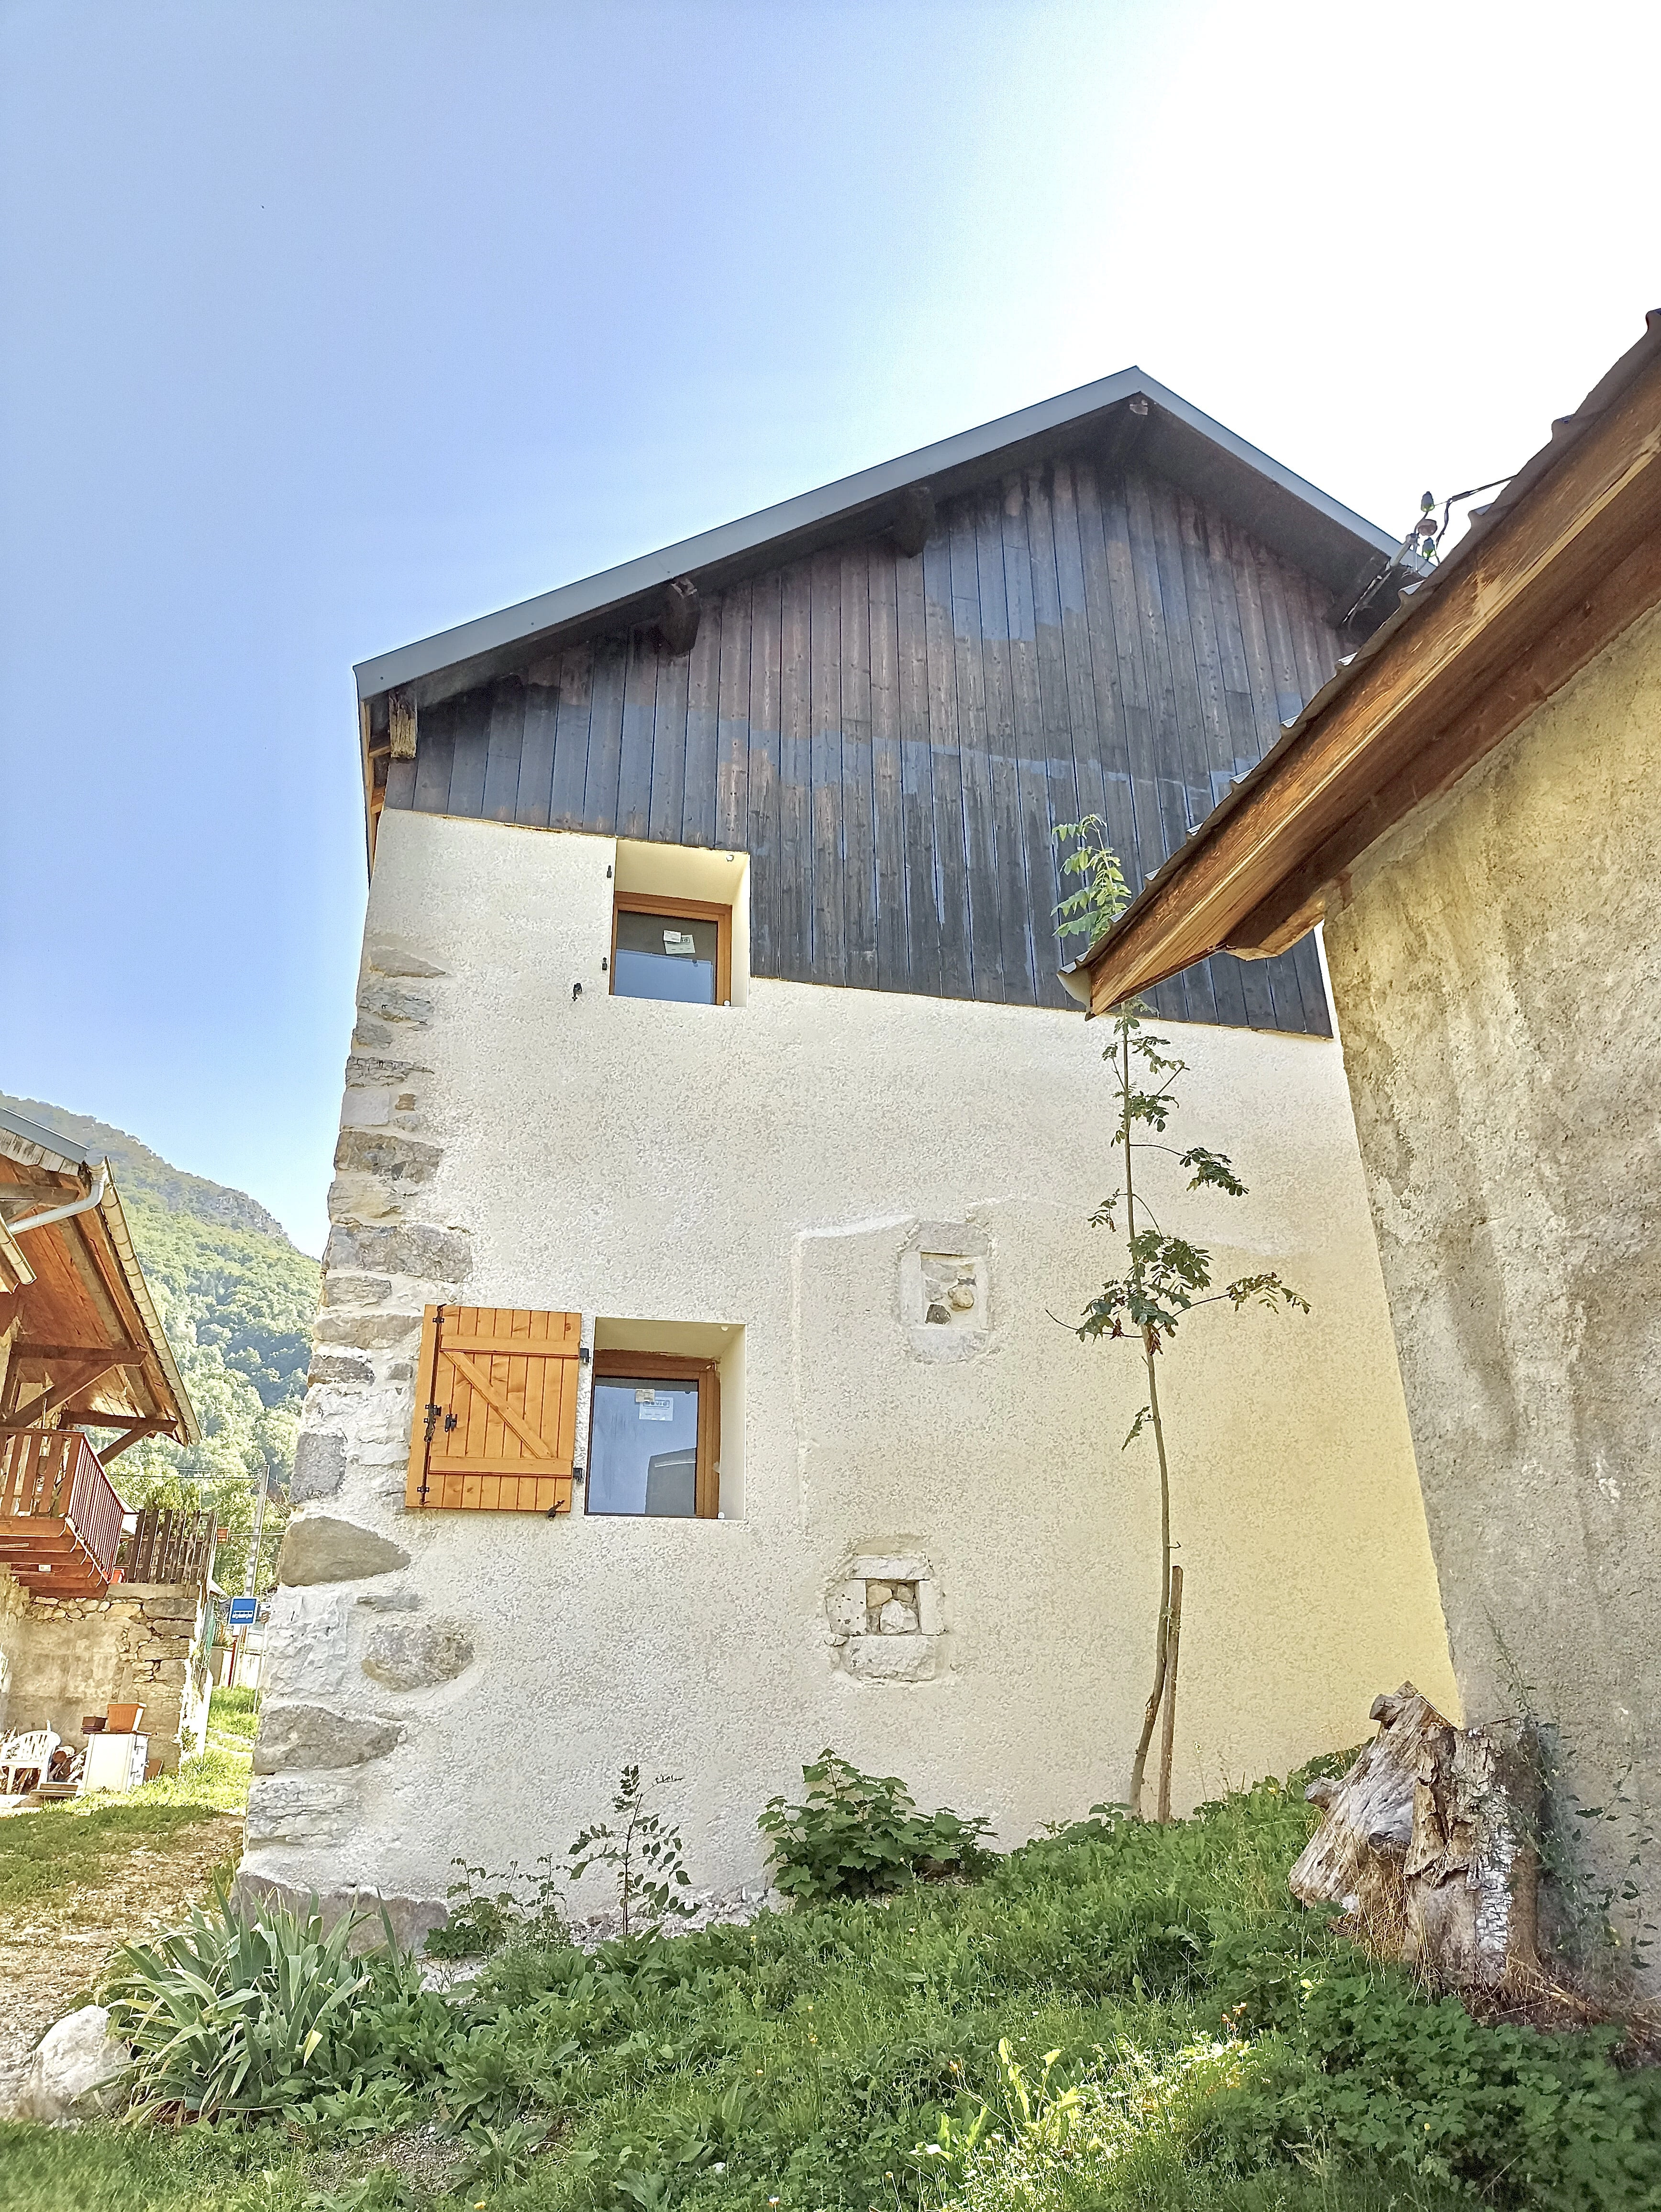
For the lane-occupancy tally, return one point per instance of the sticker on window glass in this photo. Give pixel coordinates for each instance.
(659, 1409)
(679, 944)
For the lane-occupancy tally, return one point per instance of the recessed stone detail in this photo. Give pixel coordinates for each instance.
(387, 1153)
(347, 1290)
(415, 1655)
(953, 1290)
(391, 956)
(945, 1289)
(319, 1547)
(434, 1256)
(308, 1737)
(400, 1598)
(366, 1332)
(292, 1809)
(319, 1465)
(364, 1068)
(337, 1367)
(413, 1008)
(885, 1618)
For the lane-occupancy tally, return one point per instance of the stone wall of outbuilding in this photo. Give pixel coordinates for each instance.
(138, 1644)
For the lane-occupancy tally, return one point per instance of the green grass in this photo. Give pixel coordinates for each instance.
(86, 1840)
(1215, 2050)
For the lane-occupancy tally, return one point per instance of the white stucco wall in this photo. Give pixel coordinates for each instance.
(762, 1167)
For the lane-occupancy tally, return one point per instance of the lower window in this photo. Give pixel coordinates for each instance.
(655, 1423)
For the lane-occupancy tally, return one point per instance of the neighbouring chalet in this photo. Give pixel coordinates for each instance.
(719, 1140)
(81, 1349)
(1470, 808)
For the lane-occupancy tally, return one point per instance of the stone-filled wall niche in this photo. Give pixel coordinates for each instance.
(887, 1623)
(945, 1290)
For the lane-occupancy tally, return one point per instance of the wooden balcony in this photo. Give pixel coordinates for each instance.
(60, 1521)
(168, 1544)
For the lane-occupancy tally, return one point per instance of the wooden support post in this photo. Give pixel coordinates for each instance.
(1168, 1727)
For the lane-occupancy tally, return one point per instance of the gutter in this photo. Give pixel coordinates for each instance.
(93, 1197)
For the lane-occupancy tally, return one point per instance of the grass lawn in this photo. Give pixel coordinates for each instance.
(78, 1877)
(1214, 2051)
(83, 1840)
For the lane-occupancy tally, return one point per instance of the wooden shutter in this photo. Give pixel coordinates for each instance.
(496, 1411)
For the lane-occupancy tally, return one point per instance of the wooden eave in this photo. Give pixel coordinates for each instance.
(86, 1299)
(1565, 560)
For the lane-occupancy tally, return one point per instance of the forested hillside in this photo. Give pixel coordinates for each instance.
(237, 1302)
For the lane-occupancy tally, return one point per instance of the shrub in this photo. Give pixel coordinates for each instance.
(236, 2016)
(1385, 2077)
(860, 1835)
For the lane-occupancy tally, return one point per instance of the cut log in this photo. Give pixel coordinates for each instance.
(1472, 1870)
(1428, 1842)
(1356, 1857)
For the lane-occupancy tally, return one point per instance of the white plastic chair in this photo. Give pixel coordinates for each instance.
(21, 1754)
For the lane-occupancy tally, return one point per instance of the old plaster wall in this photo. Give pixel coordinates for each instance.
(467, 1685)
(14, 1604)
(71, 1657)
(1497, 973)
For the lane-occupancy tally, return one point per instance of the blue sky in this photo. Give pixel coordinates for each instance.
(329, 326)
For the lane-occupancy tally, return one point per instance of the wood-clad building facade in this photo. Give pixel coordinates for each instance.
(894, 735)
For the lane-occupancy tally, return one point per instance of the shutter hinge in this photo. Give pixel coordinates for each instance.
(584, 1355)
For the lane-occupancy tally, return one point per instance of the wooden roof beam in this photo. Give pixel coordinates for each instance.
(1569, 567)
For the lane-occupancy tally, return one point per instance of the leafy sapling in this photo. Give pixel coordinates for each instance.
(644, 1849)
(1165, 1277)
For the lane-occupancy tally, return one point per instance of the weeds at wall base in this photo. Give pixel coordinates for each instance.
(1189, 2042)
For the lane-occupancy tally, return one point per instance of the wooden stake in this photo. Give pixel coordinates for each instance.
(1168, 1733)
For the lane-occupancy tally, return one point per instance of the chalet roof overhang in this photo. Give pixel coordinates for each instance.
(74, 1294)
(1567, 557)
(1320, 535)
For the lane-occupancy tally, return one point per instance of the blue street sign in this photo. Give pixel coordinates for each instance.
(243, 1612)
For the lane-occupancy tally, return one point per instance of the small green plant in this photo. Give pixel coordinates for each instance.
(646, 1852)
(489, 1912)
(861, 1835)
(1165, 1277)
(238, 2015)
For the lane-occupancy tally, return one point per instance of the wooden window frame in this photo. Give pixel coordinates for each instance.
(669, 1367)
(688, 909)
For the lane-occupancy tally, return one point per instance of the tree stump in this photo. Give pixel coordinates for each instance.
(1429, 1842)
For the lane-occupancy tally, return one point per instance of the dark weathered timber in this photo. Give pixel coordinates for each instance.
(893, 736)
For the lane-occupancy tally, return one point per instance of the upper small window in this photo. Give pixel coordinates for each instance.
(668, 948)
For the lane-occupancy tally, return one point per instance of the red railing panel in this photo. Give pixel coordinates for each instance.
(55, 1473)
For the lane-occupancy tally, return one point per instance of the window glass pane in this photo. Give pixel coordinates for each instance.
(645, 1453)
(665, 956)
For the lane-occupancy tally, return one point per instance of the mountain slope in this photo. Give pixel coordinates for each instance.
(237, 1301)
(141, 1173)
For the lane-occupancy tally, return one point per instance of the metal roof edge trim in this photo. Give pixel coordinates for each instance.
(47, 1140)
(1566, 431)
(590, 594)
(110, 1214)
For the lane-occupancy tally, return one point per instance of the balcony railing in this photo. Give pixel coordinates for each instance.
(169, 1544)
(60, 1520)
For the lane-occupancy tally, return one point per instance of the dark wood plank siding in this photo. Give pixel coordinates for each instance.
(893, 740)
